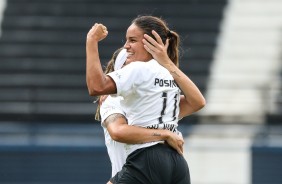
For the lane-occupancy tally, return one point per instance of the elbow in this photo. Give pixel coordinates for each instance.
(116, 137)
(100, 87)
(116, 134)
(198, 105)
(93, 90)
(201, 104)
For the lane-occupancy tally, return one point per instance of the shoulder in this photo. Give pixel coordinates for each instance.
(142, 63)
(111, 106)
(112, 101)
(141, 66)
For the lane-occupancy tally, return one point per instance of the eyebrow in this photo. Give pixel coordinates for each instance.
(132, 37)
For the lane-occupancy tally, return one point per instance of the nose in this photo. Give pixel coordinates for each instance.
(126, 45)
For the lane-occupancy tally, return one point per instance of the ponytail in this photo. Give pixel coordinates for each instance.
(173, 48)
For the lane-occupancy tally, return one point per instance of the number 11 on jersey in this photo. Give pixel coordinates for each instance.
(164, 97)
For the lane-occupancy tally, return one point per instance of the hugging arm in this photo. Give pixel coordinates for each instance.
(120, 131)
(193, 100)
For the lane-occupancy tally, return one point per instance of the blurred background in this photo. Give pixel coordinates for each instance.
(231, 49)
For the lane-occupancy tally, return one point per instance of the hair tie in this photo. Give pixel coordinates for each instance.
(169, 34)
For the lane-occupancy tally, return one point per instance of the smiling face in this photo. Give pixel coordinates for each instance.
(134, 45)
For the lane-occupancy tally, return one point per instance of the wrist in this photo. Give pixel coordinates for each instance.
(167, 134)
(169, 66)
(92, 46)
(173, 70)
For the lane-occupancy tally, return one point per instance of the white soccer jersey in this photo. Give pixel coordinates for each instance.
(116, 150)
(151, 97)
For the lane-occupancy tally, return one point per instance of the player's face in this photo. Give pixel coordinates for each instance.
(134, 45)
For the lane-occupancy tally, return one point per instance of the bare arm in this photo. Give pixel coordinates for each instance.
(97, 82)
(120, 131)
(193, 99)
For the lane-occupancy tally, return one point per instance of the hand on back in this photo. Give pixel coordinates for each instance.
(176, 142)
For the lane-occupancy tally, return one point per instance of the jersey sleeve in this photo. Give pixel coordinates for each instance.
(128, 78)
(110, 106)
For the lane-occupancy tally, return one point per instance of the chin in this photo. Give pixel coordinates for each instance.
(128, 61)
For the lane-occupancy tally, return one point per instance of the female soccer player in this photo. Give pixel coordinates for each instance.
(118, 132)
(151, 92)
